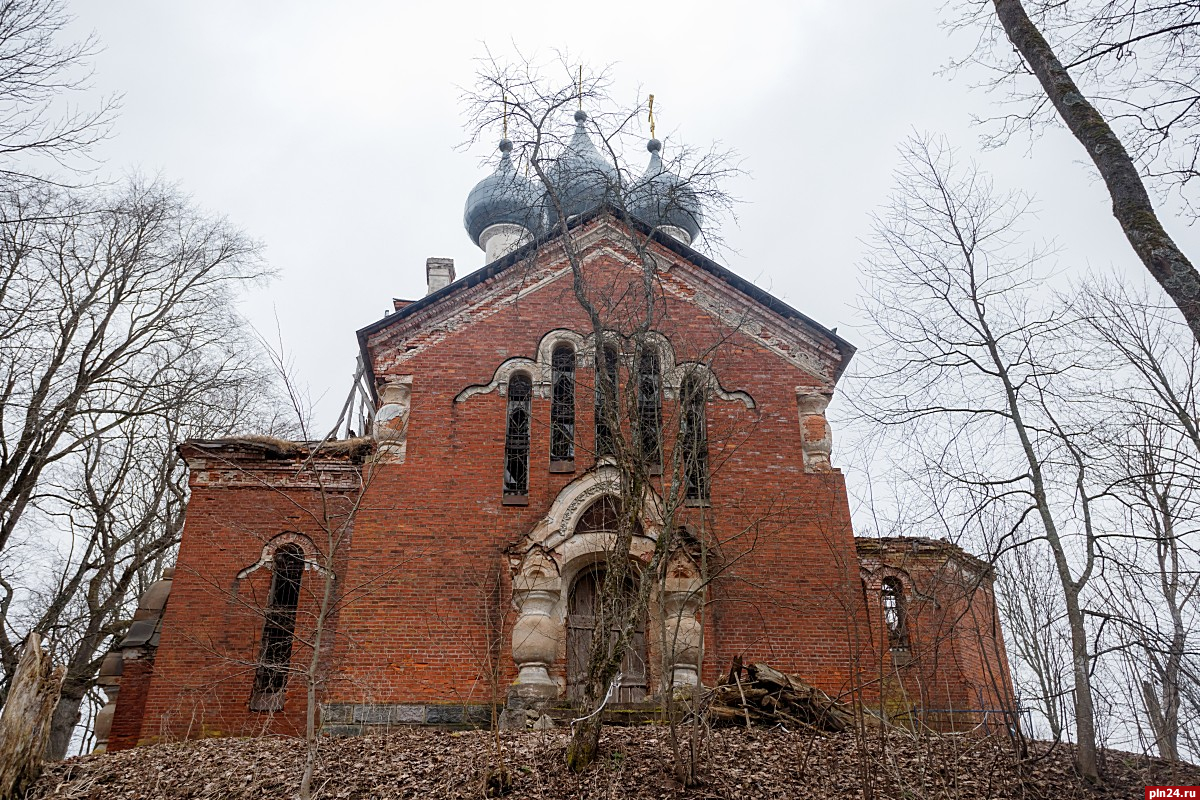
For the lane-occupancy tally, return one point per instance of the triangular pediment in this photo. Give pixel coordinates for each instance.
(603, 235)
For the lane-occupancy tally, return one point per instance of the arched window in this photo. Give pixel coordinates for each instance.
(693, 438)
(516, 438)
(649, 418)
(891, 596)
(603, 516)
(562, 404)
(279, 628)
(606, 400)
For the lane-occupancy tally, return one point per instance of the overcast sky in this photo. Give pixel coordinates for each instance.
(329, 132)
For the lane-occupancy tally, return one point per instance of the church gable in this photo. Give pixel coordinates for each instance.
(540, 273)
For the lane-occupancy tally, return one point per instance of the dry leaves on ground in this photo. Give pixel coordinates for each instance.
(635, 763)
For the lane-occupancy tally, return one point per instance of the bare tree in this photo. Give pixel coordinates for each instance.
(38, 72)
(1152, 453)
(1157, 97)
(120, 336)
(1031, 606)
(104, 299)
(975, 372)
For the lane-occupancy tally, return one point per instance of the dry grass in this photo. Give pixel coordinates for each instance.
(355, 449)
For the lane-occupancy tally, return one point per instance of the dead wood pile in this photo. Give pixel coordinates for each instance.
(758, 695)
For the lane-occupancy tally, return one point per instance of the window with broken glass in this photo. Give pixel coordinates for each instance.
(891, 594)
(693, 436)
(649, 417)
(606, 401)
(279, 628)
(562, 405)
(516, 439)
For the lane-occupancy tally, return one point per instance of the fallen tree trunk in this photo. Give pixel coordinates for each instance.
(25, 722)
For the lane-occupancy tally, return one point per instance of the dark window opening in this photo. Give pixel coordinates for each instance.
(603, 516)
(562, 403)
(891, 595)
(600, 516)
(607, 420)
(693, 436)
(279, 628)
(649, 416)
(516, 438)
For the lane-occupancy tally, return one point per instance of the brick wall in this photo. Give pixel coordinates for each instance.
(126, 730)
(952, 672)
(426, 582)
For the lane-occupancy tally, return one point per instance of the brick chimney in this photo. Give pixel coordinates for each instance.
(439, 272)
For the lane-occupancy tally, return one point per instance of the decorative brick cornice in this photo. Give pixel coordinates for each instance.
(277, 464)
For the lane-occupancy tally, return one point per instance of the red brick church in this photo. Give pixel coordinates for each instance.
(451, 557)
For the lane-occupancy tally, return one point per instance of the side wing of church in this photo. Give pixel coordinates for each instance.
(453, 558)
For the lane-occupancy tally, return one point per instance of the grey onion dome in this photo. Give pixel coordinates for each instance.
(581, 176)
(662, 198)
(505, 196)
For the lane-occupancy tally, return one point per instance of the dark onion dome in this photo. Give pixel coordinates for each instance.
(581, 176)
(502, 197)
(662, 198)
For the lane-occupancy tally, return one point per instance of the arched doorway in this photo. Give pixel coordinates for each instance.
(583, 603)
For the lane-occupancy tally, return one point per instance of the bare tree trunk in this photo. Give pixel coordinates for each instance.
(1081, 661)
(25, 723)
(66, 717)
(1130, 201)
(312, 674)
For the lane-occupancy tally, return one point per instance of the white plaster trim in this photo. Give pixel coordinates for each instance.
(538, 374)
(541, 369)
(272, 547)
(577, 496)
(545, 348)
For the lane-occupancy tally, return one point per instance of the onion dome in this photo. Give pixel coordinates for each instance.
(581, 176)
(662, 199)
(502, 197)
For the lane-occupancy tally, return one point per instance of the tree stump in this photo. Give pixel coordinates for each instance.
(25, 722)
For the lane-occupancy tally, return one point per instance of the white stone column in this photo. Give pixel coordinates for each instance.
(536, 634)
(816, 437)
(391, 420)
(684, 643)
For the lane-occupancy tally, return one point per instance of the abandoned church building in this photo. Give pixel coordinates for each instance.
(448, 561)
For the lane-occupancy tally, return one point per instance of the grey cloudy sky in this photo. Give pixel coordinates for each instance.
(328, 131)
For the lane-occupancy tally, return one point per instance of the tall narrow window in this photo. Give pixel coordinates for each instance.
(279, 628)
(516, 439)
(891, 595)
(606, 401)
(649, 416)
(562, 404)
(693, 436)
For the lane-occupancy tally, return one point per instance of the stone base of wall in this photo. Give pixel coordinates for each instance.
(355, 719)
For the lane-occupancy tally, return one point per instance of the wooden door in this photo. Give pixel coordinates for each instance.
(582, 605)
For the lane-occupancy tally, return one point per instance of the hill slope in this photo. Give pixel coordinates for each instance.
(636, 763)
